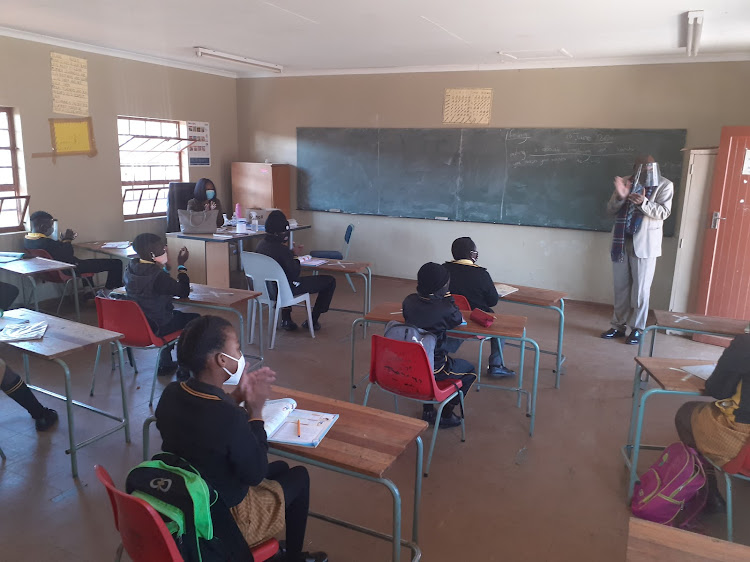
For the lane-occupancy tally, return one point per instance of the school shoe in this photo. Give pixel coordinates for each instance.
(280, 556)
(445, 421)
(48, 419)
(316, 325)
(612, 333)
(500, 371)
(634, 338)
(288, 325)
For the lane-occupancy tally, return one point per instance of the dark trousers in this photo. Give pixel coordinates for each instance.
(178, 322)
(682, 421)
(323, 285)
(13, 386)
(459, 370)
(295, 482)
(113, 267)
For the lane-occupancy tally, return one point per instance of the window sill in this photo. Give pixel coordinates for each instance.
(158, 217)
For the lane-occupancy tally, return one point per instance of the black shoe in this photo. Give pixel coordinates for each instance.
(612, 333)
(429, 416)
(715, 503)
(280, 556)
(316, 325)
(166, 368)
(634, 338)
(288, 325)
(47, 420)
(451, 421)
(500, 371)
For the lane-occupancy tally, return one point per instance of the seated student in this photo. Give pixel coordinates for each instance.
(42, 225)
(275, 244)
(12, 385)
(719, 430)
(474, 282)
(432, 308)
(226, 442)
(204, 199)
(148, 283)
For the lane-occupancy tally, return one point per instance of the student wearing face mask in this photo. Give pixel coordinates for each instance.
(204, 199)
(148, 283)
(219, 430)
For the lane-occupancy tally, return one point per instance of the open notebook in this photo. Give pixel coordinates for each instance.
(700, 371)
(281, 422)
(504, 290)
(311, 261)
(12, 329)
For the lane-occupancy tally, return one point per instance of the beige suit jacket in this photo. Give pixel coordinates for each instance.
(647, 241)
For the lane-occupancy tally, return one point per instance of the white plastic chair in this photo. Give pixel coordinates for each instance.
(263, 270)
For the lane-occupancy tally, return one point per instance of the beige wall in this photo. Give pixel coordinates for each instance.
(698, 97)
(84, 193)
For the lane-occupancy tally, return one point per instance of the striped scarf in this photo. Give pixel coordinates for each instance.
(627, 223)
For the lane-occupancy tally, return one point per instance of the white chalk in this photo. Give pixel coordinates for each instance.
(334, 210)
(441, 218)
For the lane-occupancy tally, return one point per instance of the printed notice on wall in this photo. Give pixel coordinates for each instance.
(746, 165)
(199, 153)
(70, 87)
(467, 105)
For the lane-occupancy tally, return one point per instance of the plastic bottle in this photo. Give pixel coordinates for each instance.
(237, 211)
(55, 230)
(254, 221)
(226, 220)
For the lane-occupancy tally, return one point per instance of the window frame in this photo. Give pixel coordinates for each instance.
(15, 192)
(146, 185)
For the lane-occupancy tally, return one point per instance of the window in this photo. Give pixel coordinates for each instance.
(150, 158)
(12, 203)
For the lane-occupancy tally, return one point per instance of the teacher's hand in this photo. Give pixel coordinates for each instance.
(622, 186)
(636, 198)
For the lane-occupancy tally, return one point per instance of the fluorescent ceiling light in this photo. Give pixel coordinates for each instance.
(203, 52)
(694, 29)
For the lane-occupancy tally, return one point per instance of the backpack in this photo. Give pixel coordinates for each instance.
(201, 524)
(406, 332)
(675, 485)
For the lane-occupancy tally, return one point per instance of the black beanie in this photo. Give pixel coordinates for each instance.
(276, 223)
(431, 278)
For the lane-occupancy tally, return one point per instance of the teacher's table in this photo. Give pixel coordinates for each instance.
(552, 300)
(347, 267)
(507, 327)
(62, 338)
(363, 443)
(209, 253)
(671, 379)
(124, 253)
(652, 542)
(28, 268)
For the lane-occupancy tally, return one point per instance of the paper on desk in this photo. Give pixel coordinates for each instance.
(119, 245)
(23, 332)
(700, 371)
(504, 290)
(311, 261)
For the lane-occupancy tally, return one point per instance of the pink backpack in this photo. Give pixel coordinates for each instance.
(675, 485)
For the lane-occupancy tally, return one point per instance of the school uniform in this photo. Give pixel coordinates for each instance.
(62, 250)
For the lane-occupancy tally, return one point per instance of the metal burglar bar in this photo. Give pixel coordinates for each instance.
(12, 204)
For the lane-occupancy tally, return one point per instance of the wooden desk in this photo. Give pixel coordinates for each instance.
(363, 443)
(61, 339)
(209, 254)
(348, 268)
(670, 379)
(652, 542)
(552, 300)
(98, 248)
(505, 326)
(28, 268)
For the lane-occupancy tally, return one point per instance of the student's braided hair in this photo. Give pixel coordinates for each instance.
(200, 339)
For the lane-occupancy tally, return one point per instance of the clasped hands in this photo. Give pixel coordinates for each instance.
(623, 187)
(254, 389)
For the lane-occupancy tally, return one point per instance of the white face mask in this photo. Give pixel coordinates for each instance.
(234, 378)
(162, 259)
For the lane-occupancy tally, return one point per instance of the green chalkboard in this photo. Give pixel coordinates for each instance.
(559, 178)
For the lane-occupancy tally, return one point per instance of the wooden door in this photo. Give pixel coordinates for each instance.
(692, 228)
(724, 288)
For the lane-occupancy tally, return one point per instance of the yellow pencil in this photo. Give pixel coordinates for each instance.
(299, 429)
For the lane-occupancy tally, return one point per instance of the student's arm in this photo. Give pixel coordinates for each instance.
(248, 449)
(166, 285)
(61, 250)
(661, 206)
(733, 365)
(290, 264)
(489, 291)
(453, 315)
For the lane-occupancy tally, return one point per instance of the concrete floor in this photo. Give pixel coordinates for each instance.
(501, 495)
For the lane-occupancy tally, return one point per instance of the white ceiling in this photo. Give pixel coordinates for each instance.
(339, 36)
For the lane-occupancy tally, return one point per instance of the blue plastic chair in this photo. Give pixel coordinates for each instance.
(342, 255)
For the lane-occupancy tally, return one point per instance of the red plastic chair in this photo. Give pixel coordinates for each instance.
(61, 277)
(127, 318)
(402, 368)
(144, 534)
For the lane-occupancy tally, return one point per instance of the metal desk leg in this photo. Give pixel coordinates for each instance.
(125, 414)
(26, 370)
(352, 386)
(417, 491)
(520, 367)
(33, 290)
(535, 384)
(69, 412)
(560, 333)
(75, 293)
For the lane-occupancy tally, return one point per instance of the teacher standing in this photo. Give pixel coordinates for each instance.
(641, 203)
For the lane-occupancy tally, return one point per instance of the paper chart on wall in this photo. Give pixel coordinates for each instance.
(70, 88)
(467, 105)
(199, 153)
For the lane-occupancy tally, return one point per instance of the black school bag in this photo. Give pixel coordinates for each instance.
(200, 523)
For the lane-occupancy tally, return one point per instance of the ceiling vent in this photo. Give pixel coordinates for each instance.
(527, 56)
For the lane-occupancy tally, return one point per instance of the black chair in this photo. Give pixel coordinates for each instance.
(177, 198)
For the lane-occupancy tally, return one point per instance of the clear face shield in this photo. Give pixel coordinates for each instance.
(646, 175)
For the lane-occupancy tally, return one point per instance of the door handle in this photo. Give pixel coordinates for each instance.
(715, 218)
